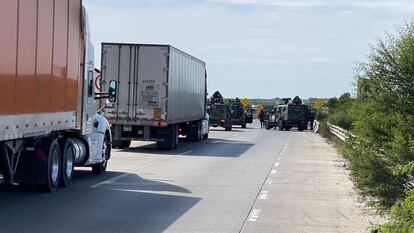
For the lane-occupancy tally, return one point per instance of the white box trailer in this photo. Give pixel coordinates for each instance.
(162, 93)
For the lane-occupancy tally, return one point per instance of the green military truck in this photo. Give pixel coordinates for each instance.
(219, 112)
(288, 115)
(238, 116)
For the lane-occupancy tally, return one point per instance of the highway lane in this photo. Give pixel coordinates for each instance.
(212, 186)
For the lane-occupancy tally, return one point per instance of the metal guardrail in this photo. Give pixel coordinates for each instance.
(339, 132)
(344, 135)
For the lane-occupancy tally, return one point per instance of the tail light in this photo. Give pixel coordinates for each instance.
(110, 121)
(160, 123)
(180, 130)
(223, 120)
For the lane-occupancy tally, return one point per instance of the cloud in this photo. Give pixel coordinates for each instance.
(251, 61)
(251, 51)
(403, 5)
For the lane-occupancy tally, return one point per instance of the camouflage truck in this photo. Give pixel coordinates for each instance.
(238, 116)
(288, 115)
(220, 115)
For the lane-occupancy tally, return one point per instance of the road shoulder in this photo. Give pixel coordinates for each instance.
(308, 190)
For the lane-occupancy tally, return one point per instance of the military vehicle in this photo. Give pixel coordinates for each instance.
(288, 115)
(238, 117)
(219, 112)
(249, 115)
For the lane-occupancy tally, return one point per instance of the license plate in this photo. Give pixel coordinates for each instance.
(127, 128)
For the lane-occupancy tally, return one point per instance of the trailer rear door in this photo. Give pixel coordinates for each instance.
(141, 72)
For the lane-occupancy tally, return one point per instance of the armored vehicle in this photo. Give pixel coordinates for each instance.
(219, 112)
(288, 115)
(238, 116)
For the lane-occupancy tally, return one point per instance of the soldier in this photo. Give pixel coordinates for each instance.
(261, 118)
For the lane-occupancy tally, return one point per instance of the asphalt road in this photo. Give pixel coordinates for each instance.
(246, 180)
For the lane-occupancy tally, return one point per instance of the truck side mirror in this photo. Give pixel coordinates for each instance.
(113, 89)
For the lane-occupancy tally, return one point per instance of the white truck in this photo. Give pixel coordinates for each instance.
(48, 118)
(162, 94)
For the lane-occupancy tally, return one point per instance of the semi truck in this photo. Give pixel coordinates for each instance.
(162, 94)
(48, 118)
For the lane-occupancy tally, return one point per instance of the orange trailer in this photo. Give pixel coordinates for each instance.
(46, 75)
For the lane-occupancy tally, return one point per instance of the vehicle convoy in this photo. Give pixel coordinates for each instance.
(48, 118)
(288, 115)
(162, 94)
(219, 112)
(238, 116)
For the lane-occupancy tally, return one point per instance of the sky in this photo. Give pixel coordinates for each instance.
(258, 48)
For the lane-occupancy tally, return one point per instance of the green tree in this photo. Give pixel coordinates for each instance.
(383, 118)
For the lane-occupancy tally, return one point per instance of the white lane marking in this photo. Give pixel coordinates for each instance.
(263, 195)
(186, 153)
(235, 135)
(110, 181)
(216, 141)
(278, 159)
(254, 215)
(277, 164)
(273, 172)
(153, 192)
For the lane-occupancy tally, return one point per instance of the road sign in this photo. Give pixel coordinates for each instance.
(245, 102)
(325, 110)
(319, 104)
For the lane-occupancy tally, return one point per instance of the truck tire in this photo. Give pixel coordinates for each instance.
(243, 125)
(198, 135)
(170, 138)
(53, 167)
(176, 137)
(68, 162)
(205, 136)
(195, 132)
(100, 168)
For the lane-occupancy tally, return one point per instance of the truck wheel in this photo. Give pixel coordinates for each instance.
(205, 136)
(53, 167)
(244, 125)
(195, 132)
(106, 154)
(176, 137)
(68, 162)
(170, 138)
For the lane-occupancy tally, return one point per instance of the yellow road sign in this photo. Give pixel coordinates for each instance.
(245, 102)
(319, 104)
